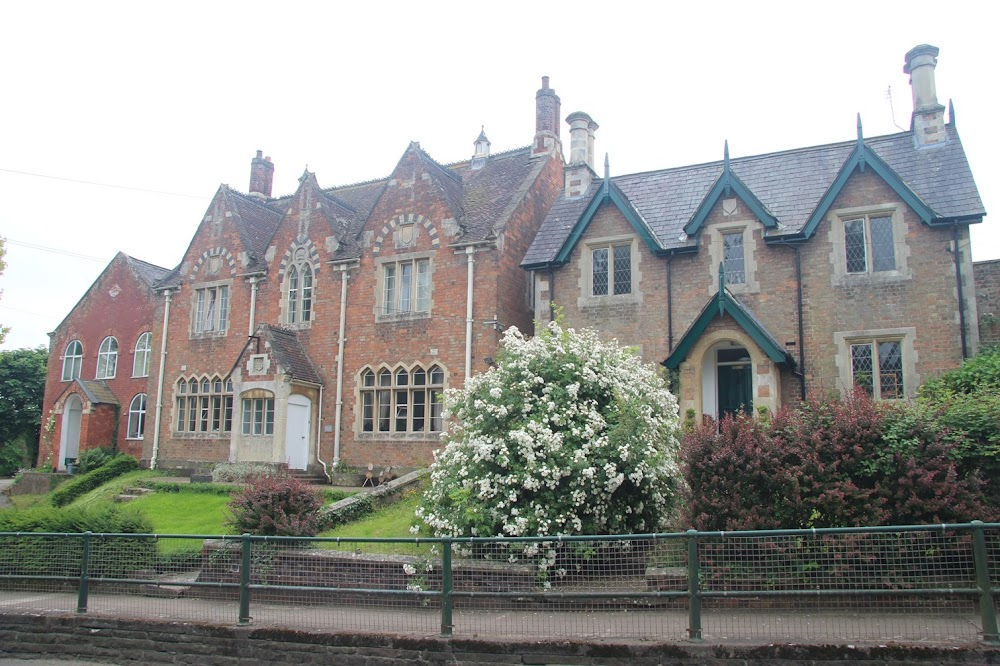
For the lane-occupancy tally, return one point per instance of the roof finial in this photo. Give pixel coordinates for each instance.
(861, 135)
(725, 155)
(951, 113)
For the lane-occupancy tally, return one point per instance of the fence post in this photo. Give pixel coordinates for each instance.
(245, 578)
(694, 593)
(446, 588)
(987, 611)
(84, 589)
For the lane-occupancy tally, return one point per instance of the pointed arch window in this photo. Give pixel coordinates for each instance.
(72, 361)
(299, 279)
(107, 358)
(140, 362)
(402, 400)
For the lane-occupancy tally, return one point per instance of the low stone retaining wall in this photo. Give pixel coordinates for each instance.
(37, 483)
(132, 641)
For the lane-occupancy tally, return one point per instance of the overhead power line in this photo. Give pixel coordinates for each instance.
(117, 187)
(56, 250)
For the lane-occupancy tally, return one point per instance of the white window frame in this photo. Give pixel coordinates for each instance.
(203, 412)
(140, 362)
(300, 293)
(137, 417)
(401, 400)
(210, 308)
(107, 359)
(402, 299)
(72, 361)
(257, 410)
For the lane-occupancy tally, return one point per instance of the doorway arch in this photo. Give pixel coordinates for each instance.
(69, 438)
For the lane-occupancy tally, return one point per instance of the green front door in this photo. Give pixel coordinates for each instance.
(735, 391)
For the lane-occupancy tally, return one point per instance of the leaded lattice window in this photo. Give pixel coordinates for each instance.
(733, 258)
(204, 405)
(869, 245)
(877, 367)
(611, 270)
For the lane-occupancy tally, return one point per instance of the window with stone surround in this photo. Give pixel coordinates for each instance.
(72, 361)
(211, 310)
(611, 269)
(140, 362)
(868, 244)
(733, 258)
(881, 362)
(299, 290)
(137, 417)
(401, 400)
(405, 287)
(107, 358)
(877, 367)
(258, 413)
(204, 405)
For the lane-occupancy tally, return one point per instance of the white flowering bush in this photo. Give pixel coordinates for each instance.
(566, 434)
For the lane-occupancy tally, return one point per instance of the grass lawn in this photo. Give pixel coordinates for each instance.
(393, 521)
(184, 513)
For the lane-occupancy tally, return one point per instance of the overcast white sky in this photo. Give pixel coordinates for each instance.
(175, 98)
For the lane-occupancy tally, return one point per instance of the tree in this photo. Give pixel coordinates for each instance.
(3, 266)
(564, 435)
(22, 387)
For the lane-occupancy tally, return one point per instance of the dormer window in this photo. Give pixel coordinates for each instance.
(300, 293)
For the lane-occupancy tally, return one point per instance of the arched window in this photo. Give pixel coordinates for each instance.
(72, 361)
(140, 363)
(107, 358)
(137, 417)
(300, 290)
(402, 400)
(204, 406)
(258, 412)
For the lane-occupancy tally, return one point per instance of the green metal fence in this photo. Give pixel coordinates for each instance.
(935, 584)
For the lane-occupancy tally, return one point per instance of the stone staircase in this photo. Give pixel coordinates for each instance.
(312, 478)
(132, 494)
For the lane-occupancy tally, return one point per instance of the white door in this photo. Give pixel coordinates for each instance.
(297, 432)
(69, 440)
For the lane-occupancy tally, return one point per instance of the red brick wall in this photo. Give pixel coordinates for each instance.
(125, 315)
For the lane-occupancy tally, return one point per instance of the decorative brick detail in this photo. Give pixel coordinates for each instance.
(400, 220)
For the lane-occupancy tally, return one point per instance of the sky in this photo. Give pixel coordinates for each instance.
(121, 120)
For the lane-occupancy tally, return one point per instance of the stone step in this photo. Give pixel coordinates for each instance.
(124, 497)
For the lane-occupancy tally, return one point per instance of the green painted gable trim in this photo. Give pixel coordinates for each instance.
(608, 193)
(717, 306)
(729, 182)
(861, 158)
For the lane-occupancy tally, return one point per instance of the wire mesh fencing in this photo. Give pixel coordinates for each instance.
(919, 584)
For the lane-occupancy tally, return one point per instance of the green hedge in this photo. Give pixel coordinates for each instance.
(111, 557)
(84, 483)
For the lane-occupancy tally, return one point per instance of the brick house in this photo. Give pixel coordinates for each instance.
(323, 326)
(99, 364)
(757, 279)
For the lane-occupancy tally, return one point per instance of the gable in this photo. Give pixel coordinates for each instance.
(727, 185)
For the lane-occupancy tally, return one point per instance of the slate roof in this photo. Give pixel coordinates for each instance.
(97, 391)
(256, 222)
(789, 185)
(290, 353)
(147, 272)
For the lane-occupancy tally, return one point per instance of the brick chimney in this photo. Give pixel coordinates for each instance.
(261, 175)
(580, 170)
(928, 115)
(547, 112)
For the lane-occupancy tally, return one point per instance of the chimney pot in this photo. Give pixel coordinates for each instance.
(261, 176)
(581, 138)
(928, 115)
(547, 112)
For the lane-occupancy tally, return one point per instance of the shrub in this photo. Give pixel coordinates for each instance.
(270, 505)
(84, 483)
(91, 459)
(111, 557)
(982, 372)
(564, 435)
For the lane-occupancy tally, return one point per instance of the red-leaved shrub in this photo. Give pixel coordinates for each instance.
(281, 505)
